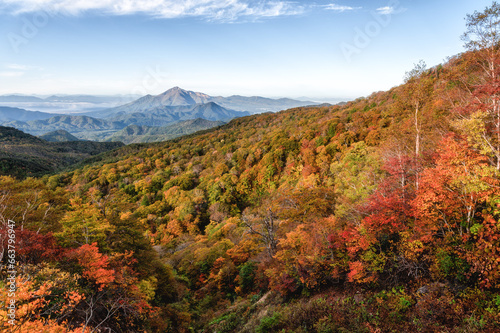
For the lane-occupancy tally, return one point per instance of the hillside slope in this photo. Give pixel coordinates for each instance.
(144, 134)
(23, 155)
(377, 215)
(58, 136)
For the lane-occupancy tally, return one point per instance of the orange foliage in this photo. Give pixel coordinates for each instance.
(94, 265)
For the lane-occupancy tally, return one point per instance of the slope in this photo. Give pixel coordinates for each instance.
(58, 136)
(165, 115)
(143, 134)
(377, 215)
(23, 155)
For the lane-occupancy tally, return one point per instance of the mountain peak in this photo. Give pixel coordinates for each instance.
(178, 96)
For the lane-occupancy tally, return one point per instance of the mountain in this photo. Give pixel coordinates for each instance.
(66, 104)
(10, 135)
(71, 124)
(23, 155)
(256, 104)
(173, 106)
(19, 99)
(177, 97)
(16, 114)
(213, 111)
(89, 128)
(83, 127)
(149, 111)
(86, 99)
(141, 134)
(59, 136)
(93, 99)
(172, 97)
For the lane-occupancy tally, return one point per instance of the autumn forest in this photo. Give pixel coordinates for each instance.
(377, 215)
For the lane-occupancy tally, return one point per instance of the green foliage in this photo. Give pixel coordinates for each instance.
(227, 323)
(247, 275)
(452, 266)
(268, 323)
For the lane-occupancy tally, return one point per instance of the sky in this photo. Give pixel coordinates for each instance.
(317, 49)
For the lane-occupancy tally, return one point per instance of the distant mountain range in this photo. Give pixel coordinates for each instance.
(258, 104)
(149, 114)
(17, 114)
(153, 114)
(65, 104)
(172, 97)
(64, 99)
(180, 97)
(103, 129)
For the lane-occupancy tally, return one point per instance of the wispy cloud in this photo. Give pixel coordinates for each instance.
(19, 67)
(339, 8)
(387, 10)
(221, 10)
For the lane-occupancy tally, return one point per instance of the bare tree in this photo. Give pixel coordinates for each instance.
(264, 226)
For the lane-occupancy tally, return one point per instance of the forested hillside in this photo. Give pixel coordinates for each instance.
(23, 155)
(380, 215)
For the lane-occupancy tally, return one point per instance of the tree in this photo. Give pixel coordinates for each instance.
(264, 226)
(356, 176)
(44, 302)
(483, 38)
(418, 90)
(83, 224)
(95, 265)
(417, 97)
(483, 34)
(453, 190)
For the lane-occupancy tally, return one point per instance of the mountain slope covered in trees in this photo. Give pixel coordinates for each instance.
(379, 215)
(58, 136)
(138, 134)
(23, 155)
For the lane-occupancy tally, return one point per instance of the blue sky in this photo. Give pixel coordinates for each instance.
(318, 49)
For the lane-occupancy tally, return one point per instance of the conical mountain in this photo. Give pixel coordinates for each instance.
(178, 96)
(172, 97)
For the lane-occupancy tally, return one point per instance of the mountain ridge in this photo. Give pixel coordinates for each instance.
(177, 96)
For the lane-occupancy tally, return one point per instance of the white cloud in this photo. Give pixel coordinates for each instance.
(386, 10)
(19, 67)
(339, 8)
(11, 74)
(221, 10)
